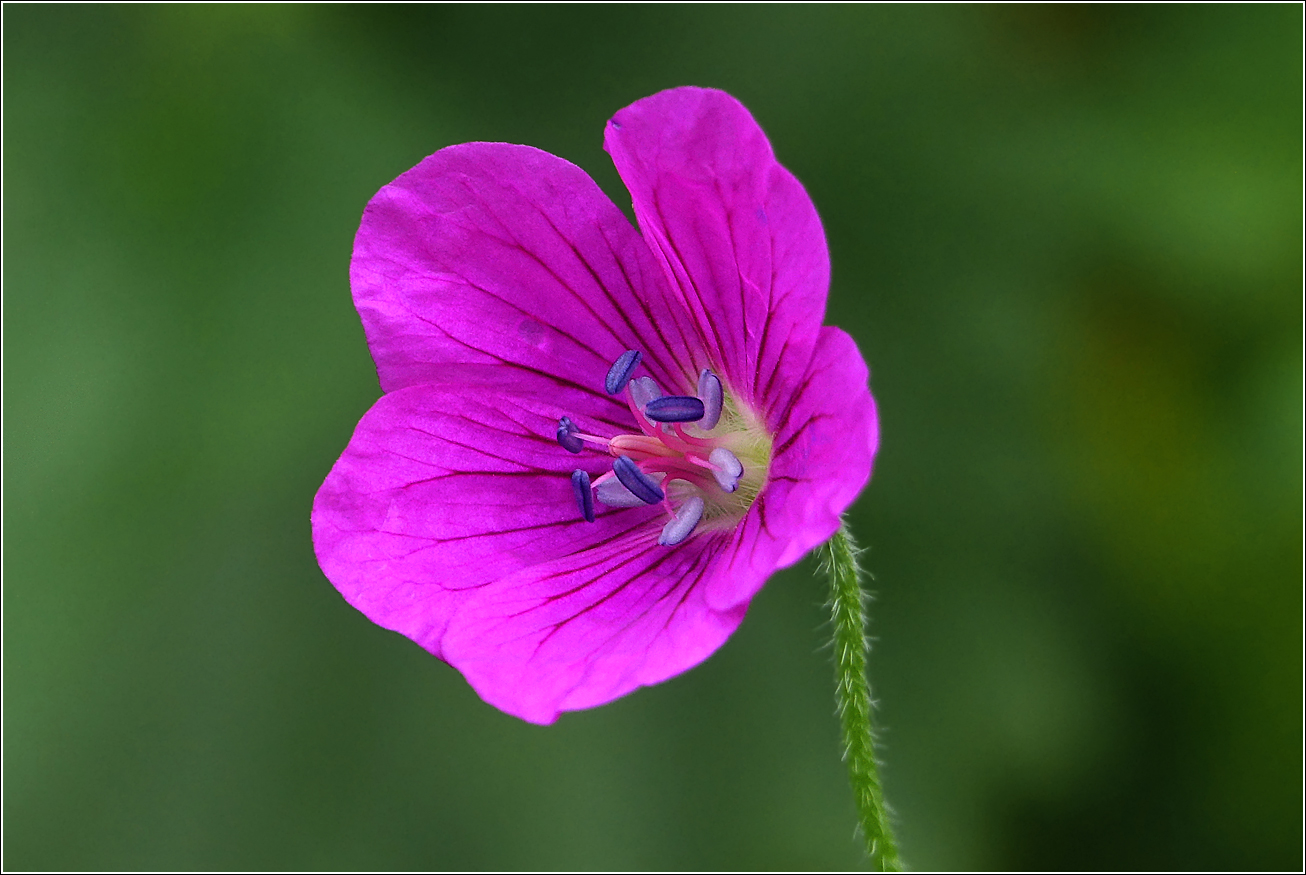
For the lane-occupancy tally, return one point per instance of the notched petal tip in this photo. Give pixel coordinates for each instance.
(733, 225)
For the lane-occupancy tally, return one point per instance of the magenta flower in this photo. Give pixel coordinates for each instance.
(594, 446)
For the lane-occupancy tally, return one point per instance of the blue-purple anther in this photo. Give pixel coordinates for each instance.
(709, 390)
(643, 390)
(674, 408)
(682, 525)
(642, 486)
(580, 483)
(567, 435)
(621, 369)
(613, 492)
(726, 470)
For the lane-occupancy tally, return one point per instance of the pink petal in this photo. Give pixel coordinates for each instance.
(490, 253)
(821, 459)
(446, 487)
(592, 626)
(736, 233)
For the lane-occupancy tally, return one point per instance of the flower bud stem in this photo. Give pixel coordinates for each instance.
(853, 695)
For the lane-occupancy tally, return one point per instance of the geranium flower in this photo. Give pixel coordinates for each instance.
(594, 444)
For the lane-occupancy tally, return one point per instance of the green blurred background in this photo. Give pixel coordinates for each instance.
(1068, 241)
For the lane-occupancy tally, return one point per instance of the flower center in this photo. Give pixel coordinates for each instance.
(703, 457)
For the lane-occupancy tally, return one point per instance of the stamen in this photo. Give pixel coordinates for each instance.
(567, 436)
(727, 468)
(680, 527)
(660, 450)
(622, 368)
(644, 487)
(613, 492)
(643, 390)
(709, 389)
(675, 408)
(580, 483)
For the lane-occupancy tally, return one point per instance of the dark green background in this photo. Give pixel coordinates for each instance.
(1068, 241)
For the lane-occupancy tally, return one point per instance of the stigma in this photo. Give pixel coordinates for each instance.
(703, 457)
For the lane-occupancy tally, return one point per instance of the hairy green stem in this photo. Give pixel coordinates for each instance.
(853, 694)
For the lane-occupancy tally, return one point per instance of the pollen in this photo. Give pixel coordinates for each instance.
(703, 457)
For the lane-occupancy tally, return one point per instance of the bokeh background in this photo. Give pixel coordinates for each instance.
(1069, 242)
